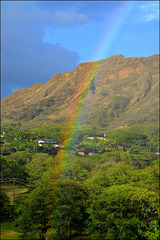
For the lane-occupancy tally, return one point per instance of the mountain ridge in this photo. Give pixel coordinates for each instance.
(122, 88)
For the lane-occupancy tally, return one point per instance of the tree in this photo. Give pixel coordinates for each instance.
(40, 163)
(70, 212)
(118, 174)
(34, 212)
(77, 168)
(14, 165)
(5, 209)
(125, 212)
(130, 139)
(35, 209)
(123, 173)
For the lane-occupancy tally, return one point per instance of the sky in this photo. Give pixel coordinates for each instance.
(42, 38)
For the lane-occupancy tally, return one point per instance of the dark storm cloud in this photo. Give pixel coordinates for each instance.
(25, 58)
(29, 67)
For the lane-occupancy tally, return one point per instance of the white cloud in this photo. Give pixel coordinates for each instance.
(64, 18)
(149, 11)
(149, 17)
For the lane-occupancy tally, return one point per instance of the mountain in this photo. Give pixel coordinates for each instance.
(111, 93)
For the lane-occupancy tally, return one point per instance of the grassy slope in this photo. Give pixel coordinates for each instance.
(8, 231)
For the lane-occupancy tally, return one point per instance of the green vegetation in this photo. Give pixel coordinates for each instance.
(114, 213)
(11, 191)
(5, 206)
(105, 186)
(9, 232)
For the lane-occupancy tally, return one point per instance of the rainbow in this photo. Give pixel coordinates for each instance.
(112, 30)
(77, 104)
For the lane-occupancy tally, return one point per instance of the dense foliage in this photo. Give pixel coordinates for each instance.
(5, 210)
(110, 191)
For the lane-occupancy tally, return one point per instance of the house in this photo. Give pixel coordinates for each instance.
(47, 141)
(85, 153)
(100, 138)
(121, 147)
(90, 154)
(81, 153)
(41, 142)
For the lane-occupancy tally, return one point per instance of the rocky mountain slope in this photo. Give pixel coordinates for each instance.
(113, 92)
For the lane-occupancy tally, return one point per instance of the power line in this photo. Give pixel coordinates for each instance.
(14, 180)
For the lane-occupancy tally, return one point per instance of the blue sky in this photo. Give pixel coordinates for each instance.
(41, 38)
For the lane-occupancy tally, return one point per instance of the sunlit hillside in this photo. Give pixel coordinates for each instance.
(115, 92)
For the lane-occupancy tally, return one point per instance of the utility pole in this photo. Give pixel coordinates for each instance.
(14, 180)
(13, 190)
